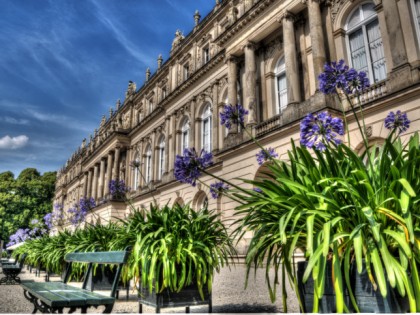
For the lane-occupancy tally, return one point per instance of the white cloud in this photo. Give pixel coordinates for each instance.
(14, 121)
(12, 143)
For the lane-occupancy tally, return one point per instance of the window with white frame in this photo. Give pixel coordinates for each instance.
(281, 85)
(161, 157)
(136, 179)
(206, 55)
(364, 42)
(163, 93)
(416, 13)
(185, 135)
(206, 129)
(150, 106)
(148, 165)
(186, 70)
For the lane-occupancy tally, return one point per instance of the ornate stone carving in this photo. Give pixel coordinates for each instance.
(335, 7)
(179, 37)
(272, 47)
(131, 89)
(126, 120)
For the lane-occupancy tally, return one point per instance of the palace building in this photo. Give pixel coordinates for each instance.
(265, 55)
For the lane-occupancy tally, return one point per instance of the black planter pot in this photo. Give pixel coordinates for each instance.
(327, 303)
(188, 296)
(371, 301)
(103, 279)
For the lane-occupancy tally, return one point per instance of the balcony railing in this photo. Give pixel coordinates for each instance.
(374, 92)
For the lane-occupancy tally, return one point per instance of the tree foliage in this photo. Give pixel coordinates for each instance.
(27, 197)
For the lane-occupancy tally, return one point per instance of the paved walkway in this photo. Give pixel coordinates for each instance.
(229, 296)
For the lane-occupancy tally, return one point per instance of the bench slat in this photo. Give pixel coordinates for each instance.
(119, 257)
(57, 294)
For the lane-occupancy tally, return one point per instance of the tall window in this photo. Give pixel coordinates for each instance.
(150, 106)
(206, 55)
(136, 181)
(186, 71)
(365, 42)
(185, 135)
(163, 93)
(161, 157)
(206, 129)
(148, 165)
(416, 12)
(281, 86)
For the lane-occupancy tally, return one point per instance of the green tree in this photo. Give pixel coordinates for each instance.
(25, 198)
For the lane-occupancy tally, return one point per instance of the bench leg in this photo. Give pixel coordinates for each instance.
(187, 310)
(140, 308)
(108, 308)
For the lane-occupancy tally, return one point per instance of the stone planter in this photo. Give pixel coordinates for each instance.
(189, 296)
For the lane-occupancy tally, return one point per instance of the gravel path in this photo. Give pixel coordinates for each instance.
(229, 296)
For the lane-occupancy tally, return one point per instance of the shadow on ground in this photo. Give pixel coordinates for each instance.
(244, 308)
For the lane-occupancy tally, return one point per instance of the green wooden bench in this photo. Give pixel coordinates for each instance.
(11, 271)
(50, 297)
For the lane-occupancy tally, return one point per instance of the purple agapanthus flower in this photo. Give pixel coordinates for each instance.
(356, 81)
(79, 211)
(217, 189)
(397, 121)
(188, 167)
(118, 187)
(232, 115)
(265, 155)
(34, 221)
(337, 75)
(316, 130)
(19, 236)
(48, 219)
(257, 189)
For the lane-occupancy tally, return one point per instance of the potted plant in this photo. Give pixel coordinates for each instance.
(175, 254)
(350, 215)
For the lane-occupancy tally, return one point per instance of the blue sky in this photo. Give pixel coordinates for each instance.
(64, 63)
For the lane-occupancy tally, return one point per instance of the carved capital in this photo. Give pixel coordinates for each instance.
(287, 15)
(231, 58)
(250, 45)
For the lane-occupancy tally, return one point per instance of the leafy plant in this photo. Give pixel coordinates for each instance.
(177, 246)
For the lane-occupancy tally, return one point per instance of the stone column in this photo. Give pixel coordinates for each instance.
(101, 179)
(116, 168)
(85, 184)
(108, 173)
(168, 139)
(317, 38)
(290, 58)
(215, 117)
(395, 33)
(194, 124)
(95, 182)
(172, 144)
(232, 80)
(89, 184)
(250, 84)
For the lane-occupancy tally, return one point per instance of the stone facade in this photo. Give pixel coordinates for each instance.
(266, 55)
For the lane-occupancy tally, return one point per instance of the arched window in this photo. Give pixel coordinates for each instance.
(281, 85)
(185, 135)
(206, 129)
(148, 165)
(161, 157)
(201, 201)
(136, 170)
(364, 42)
